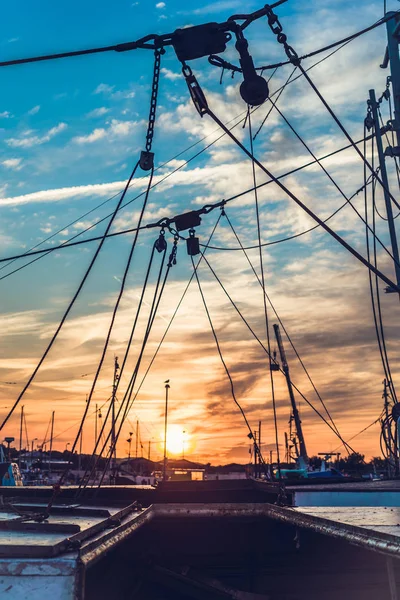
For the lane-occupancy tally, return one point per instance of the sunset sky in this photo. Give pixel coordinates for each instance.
(70, 133)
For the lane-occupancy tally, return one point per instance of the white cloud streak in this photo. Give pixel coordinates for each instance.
(12, 163)
(36, 140)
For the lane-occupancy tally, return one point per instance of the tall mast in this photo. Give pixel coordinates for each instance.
(95, 425)
(20, 435)
(167, 386)
(386, 193)
(51, 438)
(391, 58)
(137, 439)
(113, 398)
(296, 416)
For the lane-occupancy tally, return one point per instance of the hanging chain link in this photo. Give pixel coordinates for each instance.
(154, 95)
(172, 256)
(277, 29)
(147, 156)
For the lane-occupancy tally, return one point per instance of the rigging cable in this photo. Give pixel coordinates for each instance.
(250, 434)
(276, 29)
(265, 350)
(283, 327)
(253, 170)
(144, 43)
(67, 244)
(153, 312)
(110, 328)
(306, 146)
(147, 163)
(158, 182)
(277, 98)
(174, 171)
(174, 314)
(128, 346)
(206, 110)
(362, 431)
(291, 237)
(342, 42)
(378, 330)
(390, 146)
(71, 303)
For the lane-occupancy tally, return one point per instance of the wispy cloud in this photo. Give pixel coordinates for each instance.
(36, 140)
(94, 136)
(98, 112)
(34, 110)
(114, 130)
(5, 114)
(216, 7)
(12, 163)
(104, 88)
(170, 74)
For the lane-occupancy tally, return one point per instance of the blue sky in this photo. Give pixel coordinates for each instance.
(70, 132)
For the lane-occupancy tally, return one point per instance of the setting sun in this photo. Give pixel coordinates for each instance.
(178, 440)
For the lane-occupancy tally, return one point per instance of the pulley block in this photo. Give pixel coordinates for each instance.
(161, 244)
(254, 88)
(192, 244)
(201, 40)
(146, 161)
(187, 220)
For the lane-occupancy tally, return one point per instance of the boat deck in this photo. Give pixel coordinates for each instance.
(68, 528)
(375, 520)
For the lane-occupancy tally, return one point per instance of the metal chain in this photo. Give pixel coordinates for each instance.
(153, 101)
(277, 29)
(172, 256)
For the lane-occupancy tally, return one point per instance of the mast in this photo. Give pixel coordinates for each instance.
(167, 386)
(21, 422)
(287, 447)
(296, 416)
(386, 193)
(392, 58)
(51, 438)
(95, 425)
(113, 398)
(255, 453)
(137, 439)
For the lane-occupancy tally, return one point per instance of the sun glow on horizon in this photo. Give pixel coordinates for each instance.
(178, 440)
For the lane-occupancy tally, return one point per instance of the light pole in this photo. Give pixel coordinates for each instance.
(129, 440)
(167, 386)
(183, 444)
